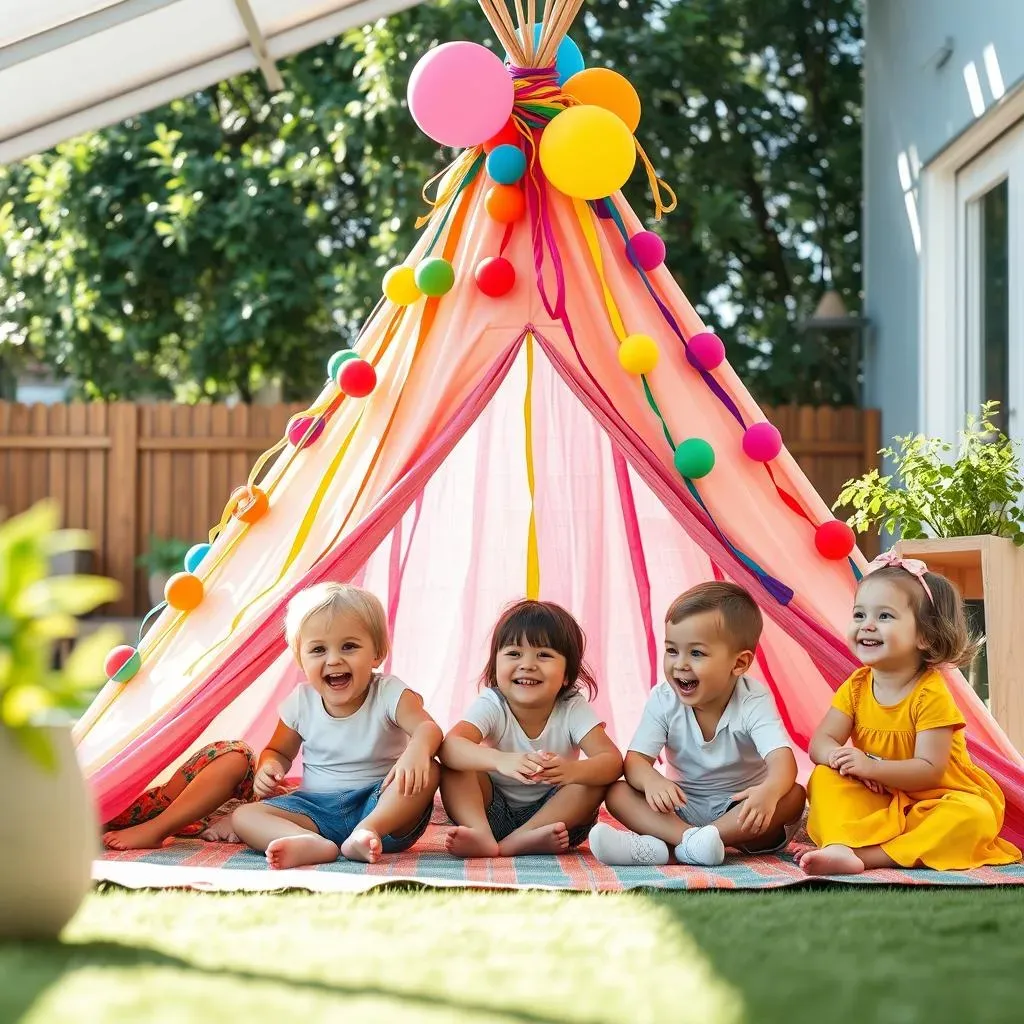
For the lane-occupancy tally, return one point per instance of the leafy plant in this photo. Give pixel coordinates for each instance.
(35, 611)
(978, 493)
(164, 555)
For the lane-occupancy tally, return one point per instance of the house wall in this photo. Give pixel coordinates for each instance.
(913, 109)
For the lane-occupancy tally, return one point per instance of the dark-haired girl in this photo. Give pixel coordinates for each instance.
(512, 779)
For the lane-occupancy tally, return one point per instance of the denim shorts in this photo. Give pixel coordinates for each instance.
(337, 813)
(505, 817)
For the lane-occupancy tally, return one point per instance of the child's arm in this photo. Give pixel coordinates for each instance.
(411, 772)
(830, 737)
(463, 751)
(662, 794)
(276, 759)
(602, 766)
(922, 771)
(760, 801)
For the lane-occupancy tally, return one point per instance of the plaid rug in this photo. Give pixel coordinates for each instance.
(194, 864)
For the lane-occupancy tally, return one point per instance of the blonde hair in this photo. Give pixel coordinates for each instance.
(741, 618)
(941, 620)
(334, 598)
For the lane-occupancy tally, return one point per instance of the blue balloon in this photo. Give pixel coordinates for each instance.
(506, 164)
(568, 58)
(195, 555)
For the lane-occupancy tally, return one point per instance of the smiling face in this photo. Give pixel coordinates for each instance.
(883, 631)
(529, 677)
(701, 661)
(338, 656)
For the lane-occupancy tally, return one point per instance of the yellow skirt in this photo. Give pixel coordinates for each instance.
(946, 829)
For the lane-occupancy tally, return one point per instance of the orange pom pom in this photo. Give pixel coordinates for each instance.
(505, 203)
(184, 591)
(250, 504)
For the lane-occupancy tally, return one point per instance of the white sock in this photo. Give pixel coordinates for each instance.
(702, 846)
(614, 846)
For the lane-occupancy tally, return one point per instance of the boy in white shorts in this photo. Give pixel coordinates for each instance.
(730, 771)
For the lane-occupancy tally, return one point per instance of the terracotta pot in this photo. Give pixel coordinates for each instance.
(48, 839)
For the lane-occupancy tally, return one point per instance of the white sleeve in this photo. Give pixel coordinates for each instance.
(391, 690)
(580, 718)
(487, 714)
(762, 723)
(290, 711)
(652, 733)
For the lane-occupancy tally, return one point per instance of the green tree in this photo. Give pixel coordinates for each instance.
(234, 237)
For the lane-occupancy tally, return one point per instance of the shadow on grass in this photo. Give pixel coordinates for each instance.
(29, 969)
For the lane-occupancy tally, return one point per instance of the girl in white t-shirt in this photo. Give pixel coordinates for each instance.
(368, 774)
(511, 777)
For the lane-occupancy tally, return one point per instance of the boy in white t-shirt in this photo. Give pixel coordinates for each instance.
(368, 773)
(731, 773)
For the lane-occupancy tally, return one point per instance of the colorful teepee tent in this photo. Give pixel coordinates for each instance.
(534, 408)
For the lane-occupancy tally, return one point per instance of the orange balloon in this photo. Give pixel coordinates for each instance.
(602, 87)
(184, 591)
(249, 504)
(505, 203)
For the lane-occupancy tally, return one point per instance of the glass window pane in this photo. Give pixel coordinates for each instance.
(995, 300)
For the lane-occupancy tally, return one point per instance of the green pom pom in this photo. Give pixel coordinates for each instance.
(335, 363)
(695, 458)
(435, 277)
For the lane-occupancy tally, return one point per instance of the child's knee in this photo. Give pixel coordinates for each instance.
(618, 793)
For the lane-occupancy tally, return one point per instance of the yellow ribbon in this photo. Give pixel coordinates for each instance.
(532, 553)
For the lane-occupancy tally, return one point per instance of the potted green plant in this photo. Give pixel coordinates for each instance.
(959, 509)
(48, 831)
(162, 559)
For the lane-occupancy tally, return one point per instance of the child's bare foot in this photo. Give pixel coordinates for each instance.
(362, 845)
(295, 851)
(831, 860)
(147, 836)
(546, 839)
(220, 831)
(468, 842)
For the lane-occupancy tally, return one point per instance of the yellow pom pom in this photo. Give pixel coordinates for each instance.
(400, 286)
(638, 354)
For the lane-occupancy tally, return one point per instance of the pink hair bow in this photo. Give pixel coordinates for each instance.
(914, 566)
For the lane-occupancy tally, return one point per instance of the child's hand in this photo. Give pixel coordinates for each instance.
(268, 777)
(521, 767)
(758, 808)
(875, 787)
(851, 761)
(410, 773)
(663, 795)
(557, 771)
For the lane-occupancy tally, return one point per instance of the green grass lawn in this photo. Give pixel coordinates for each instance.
(893, 956)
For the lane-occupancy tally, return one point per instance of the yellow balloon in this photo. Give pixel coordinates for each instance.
(587, 152)
(400, 286)
(638, 354)
(602, 87)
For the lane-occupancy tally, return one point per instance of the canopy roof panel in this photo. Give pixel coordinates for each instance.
(68, 66)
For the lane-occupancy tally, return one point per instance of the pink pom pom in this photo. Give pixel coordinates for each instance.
(646, 250)
(705, 351)
(300, 434)
(762, 442)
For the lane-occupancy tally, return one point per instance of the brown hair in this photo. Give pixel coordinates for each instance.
(543, 624)
(941, 622)
(741, 618)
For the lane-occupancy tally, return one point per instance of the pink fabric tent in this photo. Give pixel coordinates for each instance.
(489, 415)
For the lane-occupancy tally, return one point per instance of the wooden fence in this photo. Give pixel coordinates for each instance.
(126, 472)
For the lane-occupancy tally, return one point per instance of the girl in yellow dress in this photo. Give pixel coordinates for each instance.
(906, 793)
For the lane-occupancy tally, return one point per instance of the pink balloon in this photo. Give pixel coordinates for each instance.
(762, 442)
(460, 94)
(705, 351)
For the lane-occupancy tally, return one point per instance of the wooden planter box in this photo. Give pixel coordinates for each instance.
(988, 569)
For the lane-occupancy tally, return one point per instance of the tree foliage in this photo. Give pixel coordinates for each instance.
(233, 237)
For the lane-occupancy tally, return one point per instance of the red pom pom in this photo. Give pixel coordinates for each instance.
(357, 378)
(834, 540)
(495, 276)
(508, 136)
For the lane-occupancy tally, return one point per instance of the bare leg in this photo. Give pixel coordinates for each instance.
(630, 807)
(394, 814)
(290, 840)
(789, 808)
(842, 860)
(465, 796)
(548, 830)
(190, 801)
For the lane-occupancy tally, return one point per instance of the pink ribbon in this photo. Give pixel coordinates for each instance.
(914, 566)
